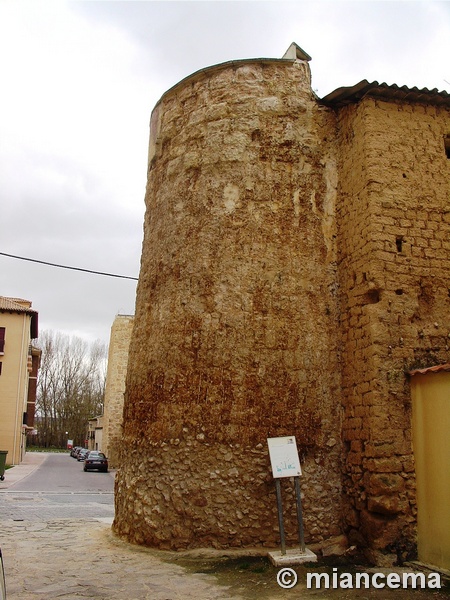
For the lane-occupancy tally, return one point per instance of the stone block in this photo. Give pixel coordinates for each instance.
(292, 557)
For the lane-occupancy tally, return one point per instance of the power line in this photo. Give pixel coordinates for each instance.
(43, 262)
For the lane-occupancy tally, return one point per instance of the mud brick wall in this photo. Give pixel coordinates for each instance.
(119, 343)
(394, 272)
(295, 267)
(236, 323)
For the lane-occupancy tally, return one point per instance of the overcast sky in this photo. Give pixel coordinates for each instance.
(78, 82)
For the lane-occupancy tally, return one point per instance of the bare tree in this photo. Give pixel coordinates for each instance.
(70, 389)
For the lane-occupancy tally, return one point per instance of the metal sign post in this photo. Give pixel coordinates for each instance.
(285, 463)
(301, 535)
(280, 516)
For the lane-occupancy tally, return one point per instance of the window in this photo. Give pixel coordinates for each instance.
(1, 368)
(447, 145)
(2, 340)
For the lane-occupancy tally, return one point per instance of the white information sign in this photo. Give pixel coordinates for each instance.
(284, 457)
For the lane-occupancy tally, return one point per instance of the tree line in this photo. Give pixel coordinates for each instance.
(70, 388)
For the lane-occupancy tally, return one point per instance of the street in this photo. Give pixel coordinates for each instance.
(59, 489)
(57, 543)
(60, 472)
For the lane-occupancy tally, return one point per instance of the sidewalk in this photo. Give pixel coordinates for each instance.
(30, 463)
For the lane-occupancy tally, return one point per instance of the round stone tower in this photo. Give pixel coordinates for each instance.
(236, 314)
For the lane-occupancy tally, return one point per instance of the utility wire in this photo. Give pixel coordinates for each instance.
(43, 262)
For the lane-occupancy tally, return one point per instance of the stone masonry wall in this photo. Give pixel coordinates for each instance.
(235, 336)
(394, 242)
(294, 269)
(119, 344)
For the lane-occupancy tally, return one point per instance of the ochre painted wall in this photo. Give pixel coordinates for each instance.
(431, 426)
(14, 384)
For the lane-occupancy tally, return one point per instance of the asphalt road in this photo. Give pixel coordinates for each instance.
(59, 488)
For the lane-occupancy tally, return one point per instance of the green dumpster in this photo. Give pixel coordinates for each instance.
(3, 454)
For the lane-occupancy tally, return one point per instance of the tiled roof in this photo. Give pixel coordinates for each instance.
(436, 369)
(15, 305)
(347, 95)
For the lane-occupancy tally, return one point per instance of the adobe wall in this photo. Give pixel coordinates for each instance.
(394, 242)
(119, 344)
(294, 268)
(236, 327)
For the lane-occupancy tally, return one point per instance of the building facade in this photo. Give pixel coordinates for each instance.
(94, 436)
(294, 269)
(119, 343)
(19, 363)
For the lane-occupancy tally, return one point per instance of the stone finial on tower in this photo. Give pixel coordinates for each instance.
(295, 52)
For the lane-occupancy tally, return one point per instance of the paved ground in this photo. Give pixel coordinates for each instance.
(49, 558)
(60, 545)
(73, 559)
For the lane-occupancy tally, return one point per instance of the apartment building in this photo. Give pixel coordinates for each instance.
(19, 363)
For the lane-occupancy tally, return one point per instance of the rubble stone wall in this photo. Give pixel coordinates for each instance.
(236, 326)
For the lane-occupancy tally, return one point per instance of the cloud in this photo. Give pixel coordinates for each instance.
(348, 40)
(73, 131)
(79, 81)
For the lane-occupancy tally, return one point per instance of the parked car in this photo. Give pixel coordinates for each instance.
(96, 461)
(75, 451)
(82, 454)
